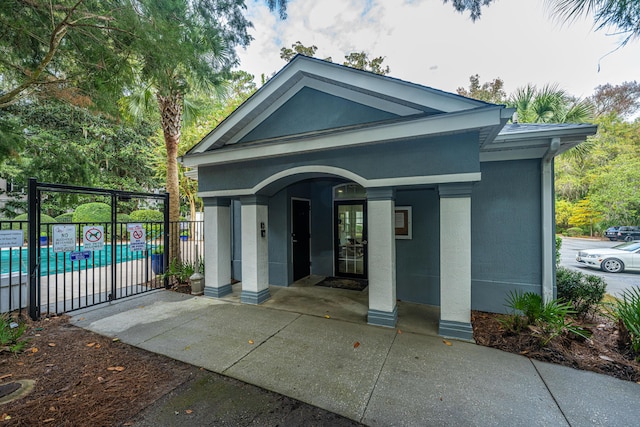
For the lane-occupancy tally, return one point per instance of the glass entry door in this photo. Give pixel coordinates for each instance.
(351, 239)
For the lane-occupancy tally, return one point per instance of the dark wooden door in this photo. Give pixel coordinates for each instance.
(300, 238)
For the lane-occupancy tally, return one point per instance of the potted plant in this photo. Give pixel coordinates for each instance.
(184, 235)
(157, 259)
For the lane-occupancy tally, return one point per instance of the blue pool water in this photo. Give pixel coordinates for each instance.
(17, 259)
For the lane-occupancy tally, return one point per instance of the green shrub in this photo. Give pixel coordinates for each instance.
(558, 247)
(44, 219)
(147, 215)
(93, 213)
(574, 232)
(627, 311)
(583, 291)
(65, 218)
(545, 320)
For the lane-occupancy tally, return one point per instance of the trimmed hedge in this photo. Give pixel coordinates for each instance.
(147, 215)
(65, 218)
(95, 212)
(44, 219)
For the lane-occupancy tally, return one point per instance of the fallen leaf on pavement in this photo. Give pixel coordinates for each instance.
(52, 344)
(250, 341)
(188, 411)
(357, 344)
(446, 342)
(399, 332)
(327, 316)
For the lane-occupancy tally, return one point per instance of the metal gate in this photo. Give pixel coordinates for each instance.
(62, 280)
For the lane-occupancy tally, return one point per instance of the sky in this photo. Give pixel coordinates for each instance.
(429, 43)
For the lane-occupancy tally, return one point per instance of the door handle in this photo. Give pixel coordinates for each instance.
(364, 242)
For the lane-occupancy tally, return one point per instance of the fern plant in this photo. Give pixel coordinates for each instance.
(11, 335)
(627, 311)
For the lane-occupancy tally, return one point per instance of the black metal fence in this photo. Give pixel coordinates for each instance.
(72, 279)
(50, 268)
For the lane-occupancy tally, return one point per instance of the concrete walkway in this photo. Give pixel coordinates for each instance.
(321, 351)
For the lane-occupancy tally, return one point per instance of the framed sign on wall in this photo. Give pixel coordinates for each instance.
(403, 222)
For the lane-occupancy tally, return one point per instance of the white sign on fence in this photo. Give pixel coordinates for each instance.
(64, 238)
(137, 237)
(93, 237)
(11, 238)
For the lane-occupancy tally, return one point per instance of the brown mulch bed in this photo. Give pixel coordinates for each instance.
(600, 353)
(83, 378)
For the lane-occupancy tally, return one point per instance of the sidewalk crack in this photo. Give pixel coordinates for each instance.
(260, 344)
(550, 392)
(375, 384)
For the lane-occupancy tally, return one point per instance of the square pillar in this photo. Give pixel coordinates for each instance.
(381, 248)
(455, 261)
(255, 249)
(217, 247)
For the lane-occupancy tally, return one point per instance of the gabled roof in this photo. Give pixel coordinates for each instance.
(417, 110)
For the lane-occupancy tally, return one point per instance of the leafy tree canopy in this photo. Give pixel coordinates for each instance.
(621, 100)
(489, 91)
(359, 60)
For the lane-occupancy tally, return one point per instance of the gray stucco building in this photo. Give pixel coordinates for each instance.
(430, 196)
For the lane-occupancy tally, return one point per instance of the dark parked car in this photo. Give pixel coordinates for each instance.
(612, 233)
(629, 233)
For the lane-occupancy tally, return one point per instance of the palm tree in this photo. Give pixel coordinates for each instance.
(184, 47)
(624, 15)
(549, 105)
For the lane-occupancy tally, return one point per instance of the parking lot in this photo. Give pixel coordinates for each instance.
(616, 282)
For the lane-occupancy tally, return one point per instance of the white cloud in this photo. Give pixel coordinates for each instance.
(427, 42)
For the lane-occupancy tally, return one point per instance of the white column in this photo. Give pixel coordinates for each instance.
(455, 261)
(548, 223)
(255, 250)
(217, 247)
(381, 247)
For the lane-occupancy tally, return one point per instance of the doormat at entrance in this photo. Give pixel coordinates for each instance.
(344, 283)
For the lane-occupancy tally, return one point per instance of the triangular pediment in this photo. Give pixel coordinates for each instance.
(310, 96)
(312, 110)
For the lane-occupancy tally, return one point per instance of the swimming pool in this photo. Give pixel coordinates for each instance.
(17, 259)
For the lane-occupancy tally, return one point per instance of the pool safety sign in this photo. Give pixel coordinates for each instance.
(64, 238)
(137, 241)
(93, 237)
(11, 238)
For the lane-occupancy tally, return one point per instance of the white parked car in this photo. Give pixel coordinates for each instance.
(614, 260)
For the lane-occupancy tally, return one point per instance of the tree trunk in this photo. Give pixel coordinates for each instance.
(171, 116)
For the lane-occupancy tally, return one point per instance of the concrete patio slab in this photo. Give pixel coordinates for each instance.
(587, 398)
(425, 381)
(324, 362)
